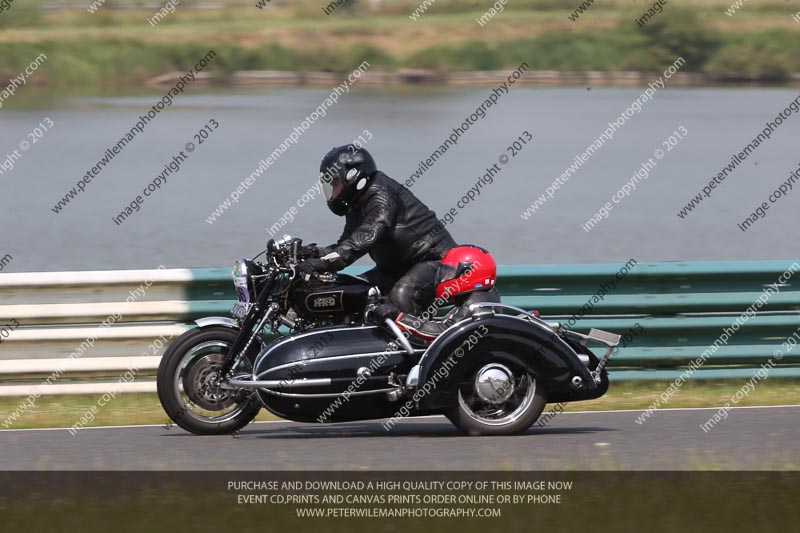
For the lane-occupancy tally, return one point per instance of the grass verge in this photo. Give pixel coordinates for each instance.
(117, 47)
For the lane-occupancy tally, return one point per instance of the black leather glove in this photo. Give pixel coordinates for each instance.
(310, 251)
(309, 266)
(384, 311)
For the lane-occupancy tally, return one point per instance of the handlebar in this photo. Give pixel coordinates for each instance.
(286, 251)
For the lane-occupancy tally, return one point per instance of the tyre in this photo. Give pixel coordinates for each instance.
(497, 399)
(188, 387)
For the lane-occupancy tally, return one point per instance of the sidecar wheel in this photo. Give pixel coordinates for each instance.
(497, 399)
(187, 378)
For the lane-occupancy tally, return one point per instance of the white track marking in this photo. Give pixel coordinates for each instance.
(301, 424)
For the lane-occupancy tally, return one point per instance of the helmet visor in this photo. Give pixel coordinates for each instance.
(446, 273)
(331, 186)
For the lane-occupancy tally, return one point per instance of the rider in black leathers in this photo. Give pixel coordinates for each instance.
(385, 220)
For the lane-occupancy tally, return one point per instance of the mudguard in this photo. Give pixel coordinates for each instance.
(216, 321)
(489, 337)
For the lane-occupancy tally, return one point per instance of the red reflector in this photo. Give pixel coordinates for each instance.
(535, 313)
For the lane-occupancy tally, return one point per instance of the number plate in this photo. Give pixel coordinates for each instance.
(240, 310)
(242, 307)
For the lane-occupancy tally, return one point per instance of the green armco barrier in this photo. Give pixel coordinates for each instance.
(673, 311)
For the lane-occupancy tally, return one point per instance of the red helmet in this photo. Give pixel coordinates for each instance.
(465, 269)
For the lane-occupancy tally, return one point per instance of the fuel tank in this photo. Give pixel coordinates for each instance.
(340, 300)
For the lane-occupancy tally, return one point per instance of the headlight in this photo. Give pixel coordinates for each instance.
(240, 269)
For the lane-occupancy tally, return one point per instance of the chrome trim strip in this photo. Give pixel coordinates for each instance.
(328, 395)
(334, 358)
(528, 316)
(248, 384)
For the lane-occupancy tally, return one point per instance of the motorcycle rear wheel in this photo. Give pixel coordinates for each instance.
(187, 384)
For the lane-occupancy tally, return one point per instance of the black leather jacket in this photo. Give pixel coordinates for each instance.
(391, 225)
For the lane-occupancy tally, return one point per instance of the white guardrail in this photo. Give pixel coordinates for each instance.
(84, 332)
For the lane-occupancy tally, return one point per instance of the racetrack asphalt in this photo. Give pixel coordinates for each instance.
(751, 438)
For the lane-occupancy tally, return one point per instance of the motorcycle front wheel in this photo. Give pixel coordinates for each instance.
(188, 383)
(497, 399)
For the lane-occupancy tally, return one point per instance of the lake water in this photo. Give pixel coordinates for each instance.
(406, 126)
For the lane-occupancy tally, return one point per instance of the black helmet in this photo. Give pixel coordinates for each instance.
(345, 172)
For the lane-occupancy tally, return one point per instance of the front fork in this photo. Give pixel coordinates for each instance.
(235, 356)
(249, 331)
